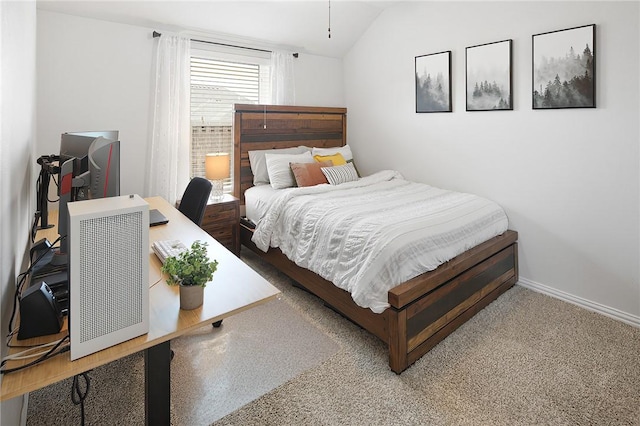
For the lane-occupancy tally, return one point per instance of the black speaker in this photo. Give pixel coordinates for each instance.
(39, 312)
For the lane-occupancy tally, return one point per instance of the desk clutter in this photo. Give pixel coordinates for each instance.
(238, 288)
(47, 266)
(101, 277)
(157, 218)
(40, 313)
(42, 293)
(167, 248)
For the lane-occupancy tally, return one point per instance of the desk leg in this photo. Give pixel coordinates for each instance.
(157, 384)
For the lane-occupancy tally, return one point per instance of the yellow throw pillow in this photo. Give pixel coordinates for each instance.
(337, 159)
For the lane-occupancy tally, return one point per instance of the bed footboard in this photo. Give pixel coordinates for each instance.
(430, 313)
(425, 309)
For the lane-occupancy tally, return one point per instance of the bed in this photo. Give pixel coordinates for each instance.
(422, 310)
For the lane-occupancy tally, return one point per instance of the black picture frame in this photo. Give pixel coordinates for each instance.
(564, 68)
(433, 82)
(488, 76)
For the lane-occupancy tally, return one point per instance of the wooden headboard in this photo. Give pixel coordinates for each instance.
(257, 127)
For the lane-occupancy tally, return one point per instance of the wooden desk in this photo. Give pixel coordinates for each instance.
(235, 288)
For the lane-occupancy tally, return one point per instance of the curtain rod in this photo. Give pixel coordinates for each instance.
(157, 34)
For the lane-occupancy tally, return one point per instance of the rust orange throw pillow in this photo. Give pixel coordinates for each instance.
(309, 174)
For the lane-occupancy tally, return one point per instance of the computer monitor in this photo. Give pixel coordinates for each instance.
(78, 147)
(104, 159)
(89, 169)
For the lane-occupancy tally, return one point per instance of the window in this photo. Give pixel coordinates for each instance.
(220, 79)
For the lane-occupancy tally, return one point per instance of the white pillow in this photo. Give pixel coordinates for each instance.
(280, 174)
(259, 165)
(344, 150)
(340, 174)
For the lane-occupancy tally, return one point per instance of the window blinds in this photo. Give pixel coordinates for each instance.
(215, 86)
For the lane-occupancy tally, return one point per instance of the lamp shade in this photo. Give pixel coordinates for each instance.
(217, 166)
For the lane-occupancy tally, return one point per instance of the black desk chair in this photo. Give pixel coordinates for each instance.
(194, 200)
(194, 203)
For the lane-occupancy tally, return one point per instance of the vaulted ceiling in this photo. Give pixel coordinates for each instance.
(293, 25)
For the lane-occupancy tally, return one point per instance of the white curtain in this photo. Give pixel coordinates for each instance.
(282, 79)
(168, 166)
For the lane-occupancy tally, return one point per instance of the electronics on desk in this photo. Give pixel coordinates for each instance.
(39, 312)
(89, 169)
(45, 269)
(58, 282)
(41, 254)
(108, 272)
(157, 218)
(167, 248)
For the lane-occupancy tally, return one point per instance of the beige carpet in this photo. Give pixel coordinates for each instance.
(525, 359)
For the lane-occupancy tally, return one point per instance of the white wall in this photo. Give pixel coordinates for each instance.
(97, 75)
(17, 177)
(568, 179)
(319, 81)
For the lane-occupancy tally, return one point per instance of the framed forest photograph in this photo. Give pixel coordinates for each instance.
(564, 68)
(433, 82)
(488, 76)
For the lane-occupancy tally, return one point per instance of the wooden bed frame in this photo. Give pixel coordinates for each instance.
(425, 309)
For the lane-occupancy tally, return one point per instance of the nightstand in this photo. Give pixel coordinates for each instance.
(221, 221)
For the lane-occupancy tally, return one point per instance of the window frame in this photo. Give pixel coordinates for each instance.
(234, 55)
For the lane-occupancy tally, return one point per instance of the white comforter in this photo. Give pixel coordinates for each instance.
(370, 235)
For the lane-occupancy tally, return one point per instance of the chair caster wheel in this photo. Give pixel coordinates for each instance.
(217, 324)
(172, 354)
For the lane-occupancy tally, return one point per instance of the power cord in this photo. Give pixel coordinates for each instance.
(50, 353)
(34, 226)
(25, 354)
(78, 395)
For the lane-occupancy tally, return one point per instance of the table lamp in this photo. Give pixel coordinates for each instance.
(217, 168)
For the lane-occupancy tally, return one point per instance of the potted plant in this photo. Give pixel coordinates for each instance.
(191, 270)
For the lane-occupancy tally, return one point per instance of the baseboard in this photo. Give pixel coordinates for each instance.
(616, 314)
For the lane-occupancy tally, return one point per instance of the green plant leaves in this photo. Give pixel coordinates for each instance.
(191, 267)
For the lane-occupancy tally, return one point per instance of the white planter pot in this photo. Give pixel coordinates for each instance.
(191, 296)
